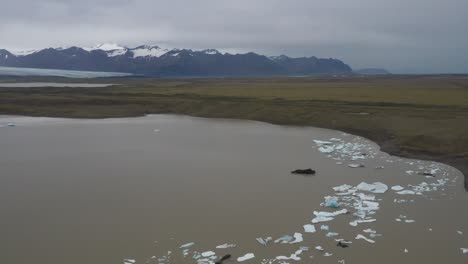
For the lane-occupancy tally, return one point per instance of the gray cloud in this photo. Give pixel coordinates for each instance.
(400, 35)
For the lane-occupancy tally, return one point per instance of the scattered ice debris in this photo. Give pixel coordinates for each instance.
(246, 257)
(187, 245)
(223, 246)
(360, 221)
(297, 238)
(410, 172)
(338, 149)
(294, 256)
(359, 236)
(284, 239)
(459, 232)
(319, 248)
(331, 234)
(464, 250)
(376, 187)
(208, 254)
(341, 261)
(355, 165)
(264, 241)
(380, 167)
(129, 261)
(324, 227)
(397, 188)
(342, 188)
(327, 216)
(308, 228)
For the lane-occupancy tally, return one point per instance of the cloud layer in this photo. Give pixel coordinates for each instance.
(400, 35)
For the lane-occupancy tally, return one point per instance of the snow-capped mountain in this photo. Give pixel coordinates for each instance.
(157, 61)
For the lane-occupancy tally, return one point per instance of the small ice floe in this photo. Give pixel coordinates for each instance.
(327, 216)
(324, 227)
(321, 142)
(341, 261)
(376, 187)
(406, 250)
(308, 228)
(327, 254)
(246, 257)
(430, 229)
(208, 254)
(356, 165)
(360, 221)
(284, 239)
(331, 234)
(359, 236)
(369, 231)
(410, 172)
(223, 246)
(129, 261)
(464, 250)
(187, 245)
(319, 248)
(406, 192)
(297, 238)
(264, 241)
(380, 167)
(156, 130)
(397, 188)
(11, 125)
(409, 221)
(459, 232)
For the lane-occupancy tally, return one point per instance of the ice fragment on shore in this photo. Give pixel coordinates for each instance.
(246, 257)
(187, 245)
(359, 236)
(309, 228)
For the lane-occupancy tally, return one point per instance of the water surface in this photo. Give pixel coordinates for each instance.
(53, 84)
(102, 191)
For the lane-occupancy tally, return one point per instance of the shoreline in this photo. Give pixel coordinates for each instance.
(385, 142)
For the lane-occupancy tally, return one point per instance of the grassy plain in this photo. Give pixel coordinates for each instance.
(414, 116)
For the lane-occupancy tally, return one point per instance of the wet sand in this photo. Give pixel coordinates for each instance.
(102, 191)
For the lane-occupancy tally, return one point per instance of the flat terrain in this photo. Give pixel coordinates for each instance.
(413, 116)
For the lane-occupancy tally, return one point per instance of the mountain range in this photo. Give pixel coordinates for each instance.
(156, 61)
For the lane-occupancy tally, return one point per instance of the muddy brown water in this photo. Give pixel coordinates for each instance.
(102, 191)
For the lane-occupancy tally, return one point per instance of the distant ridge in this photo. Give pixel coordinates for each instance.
(157, 61)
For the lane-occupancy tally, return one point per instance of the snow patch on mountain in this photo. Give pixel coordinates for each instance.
(22, 52)
(106, 47)
(148, 51)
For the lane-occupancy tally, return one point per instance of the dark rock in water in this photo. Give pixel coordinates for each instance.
(226, 257)
(342, 244)
(427, 174)
(306, 171)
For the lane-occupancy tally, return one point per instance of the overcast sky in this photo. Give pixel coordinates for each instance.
(399, 35)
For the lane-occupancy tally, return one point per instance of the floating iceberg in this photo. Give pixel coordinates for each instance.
(297, 238)
(464, 250)
(187, 245)
(284, 239)
(319, 248)
(246, 257)
(397, 188)
(264, 241)
(129, 261)
(342, 188)
(406, 192)
(327, 216)
(376, 187)
(208, 254)
(331, 234)
(226, 246)
(359, 236)
(309, 228)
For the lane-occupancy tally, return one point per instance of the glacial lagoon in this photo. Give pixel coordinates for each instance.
(178, 189)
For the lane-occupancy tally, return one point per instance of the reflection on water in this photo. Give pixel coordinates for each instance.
(174, 189)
